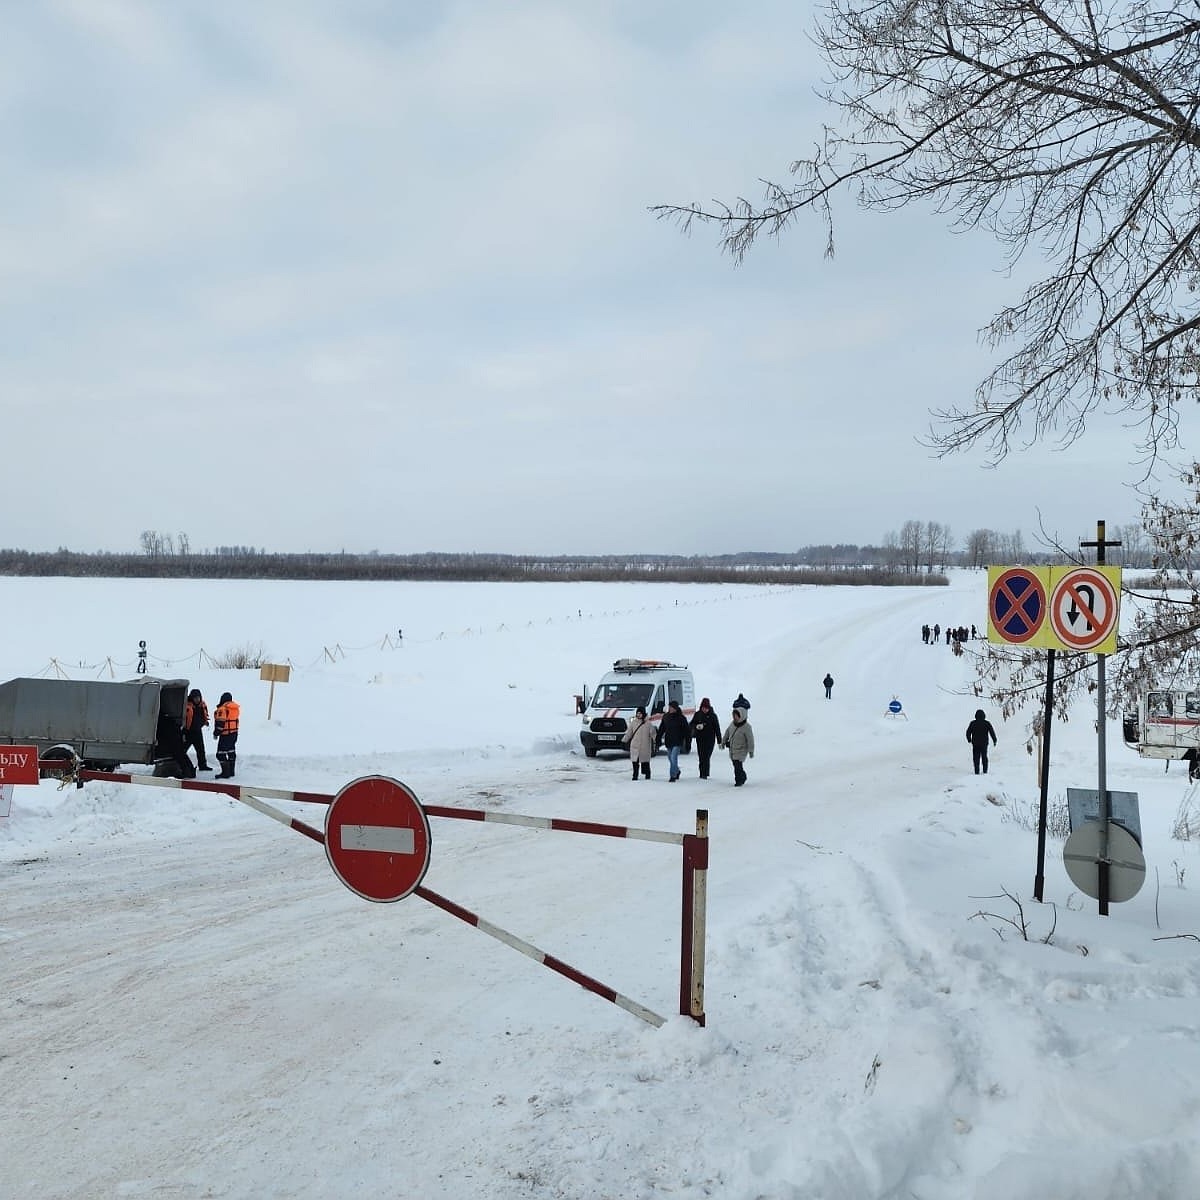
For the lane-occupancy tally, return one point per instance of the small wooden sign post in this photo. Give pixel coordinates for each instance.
(276, 673)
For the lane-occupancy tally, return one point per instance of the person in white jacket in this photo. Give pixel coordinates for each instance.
(739, 741)
(640, 738)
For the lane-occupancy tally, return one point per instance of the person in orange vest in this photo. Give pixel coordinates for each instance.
(195, 717)
(225, 730)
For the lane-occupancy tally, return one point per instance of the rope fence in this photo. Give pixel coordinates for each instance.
(113, 668)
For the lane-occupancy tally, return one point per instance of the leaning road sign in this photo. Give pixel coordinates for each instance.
(1085, 608)
(1017, 605)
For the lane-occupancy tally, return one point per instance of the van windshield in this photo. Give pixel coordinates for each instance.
(622, 695)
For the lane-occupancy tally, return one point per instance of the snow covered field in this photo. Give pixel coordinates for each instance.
(192, 1005)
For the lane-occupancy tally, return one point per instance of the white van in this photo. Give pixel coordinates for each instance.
(1166, 724)
(634, 683)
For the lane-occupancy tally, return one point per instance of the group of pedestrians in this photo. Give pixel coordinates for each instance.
(954, 634)
(704, 730)
(225, 718)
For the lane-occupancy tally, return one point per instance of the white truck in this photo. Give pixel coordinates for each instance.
(1166, 724)
(634, 683)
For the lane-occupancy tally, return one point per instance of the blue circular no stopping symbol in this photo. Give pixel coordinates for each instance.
(1017, 605)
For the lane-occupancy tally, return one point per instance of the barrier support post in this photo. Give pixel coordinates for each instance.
(695, 901)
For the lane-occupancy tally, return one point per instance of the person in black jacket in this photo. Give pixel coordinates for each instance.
(673, 732)
(706, 729)
(978, 733)
(827, 684)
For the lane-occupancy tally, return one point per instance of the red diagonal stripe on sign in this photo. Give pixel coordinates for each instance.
(1083, 608)
(1018, 603)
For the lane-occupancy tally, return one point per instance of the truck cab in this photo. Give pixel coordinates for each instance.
(1165, 724)
(633, 683)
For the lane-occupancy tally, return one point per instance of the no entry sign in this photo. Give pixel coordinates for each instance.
(377, 839)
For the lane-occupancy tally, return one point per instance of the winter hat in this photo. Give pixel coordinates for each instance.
(194, 694)
(673, 704)
(226, 698)
(705, 703)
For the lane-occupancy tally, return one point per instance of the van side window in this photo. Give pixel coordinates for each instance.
(659, 703)
(1191, 704)
(675, 691)
(1158, 704)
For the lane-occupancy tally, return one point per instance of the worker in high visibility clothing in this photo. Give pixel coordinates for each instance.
(225, 729)
(195, 717)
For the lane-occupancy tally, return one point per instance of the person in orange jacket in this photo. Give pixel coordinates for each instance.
(225, 729)
(195, 717)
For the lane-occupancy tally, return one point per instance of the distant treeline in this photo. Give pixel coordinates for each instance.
(246, 563)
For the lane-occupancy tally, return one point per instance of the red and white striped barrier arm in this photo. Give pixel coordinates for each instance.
(238, 793)
(540, 956)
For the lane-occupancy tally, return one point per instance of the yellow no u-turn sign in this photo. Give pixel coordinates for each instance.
(1055, 608)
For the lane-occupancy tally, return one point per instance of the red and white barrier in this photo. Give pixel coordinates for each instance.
(694, 874)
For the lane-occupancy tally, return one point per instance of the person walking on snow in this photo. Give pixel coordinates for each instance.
(674, 734)
(195, 717)
(225, 730)
(640, 738)
(978, 733)
(827, 683)
(739, 741)
(706, 730)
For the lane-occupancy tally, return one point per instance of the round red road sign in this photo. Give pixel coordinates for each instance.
(377, 838)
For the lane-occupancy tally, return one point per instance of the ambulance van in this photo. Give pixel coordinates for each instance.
(634, 683)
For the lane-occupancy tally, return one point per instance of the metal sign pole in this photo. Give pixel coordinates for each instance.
(1039, 878)
(1105, 807)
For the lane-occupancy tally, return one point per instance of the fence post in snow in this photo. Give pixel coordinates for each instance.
(695, 900)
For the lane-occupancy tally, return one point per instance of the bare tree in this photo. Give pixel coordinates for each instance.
(1069, 131)
(910, 545)
(979, 548)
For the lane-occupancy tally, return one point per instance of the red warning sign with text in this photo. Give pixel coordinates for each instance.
(18, 764)
(377, 838)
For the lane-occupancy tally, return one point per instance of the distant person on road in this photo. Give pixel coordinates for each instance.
(741, 702)
(739, 741)
(827, 683)
(195, 717)
(978, 733)
(225, 729)
(706, 731)
(674, 734)
(640, 738)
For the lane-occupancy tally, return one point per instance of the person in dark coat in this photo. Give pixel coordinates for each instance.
(673, 731)
(978, 733)
(706, 729)
(195, 717)
(827, 683)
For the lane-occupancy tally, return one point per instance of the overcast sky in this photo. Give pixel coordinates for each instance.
(368, 275)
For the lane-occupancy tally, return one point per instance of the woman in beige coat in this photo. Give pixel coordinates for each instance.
(739, 741)
(640, 738)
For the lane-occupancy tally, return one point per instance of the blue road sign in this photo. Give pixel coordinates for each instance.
(894, 707)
